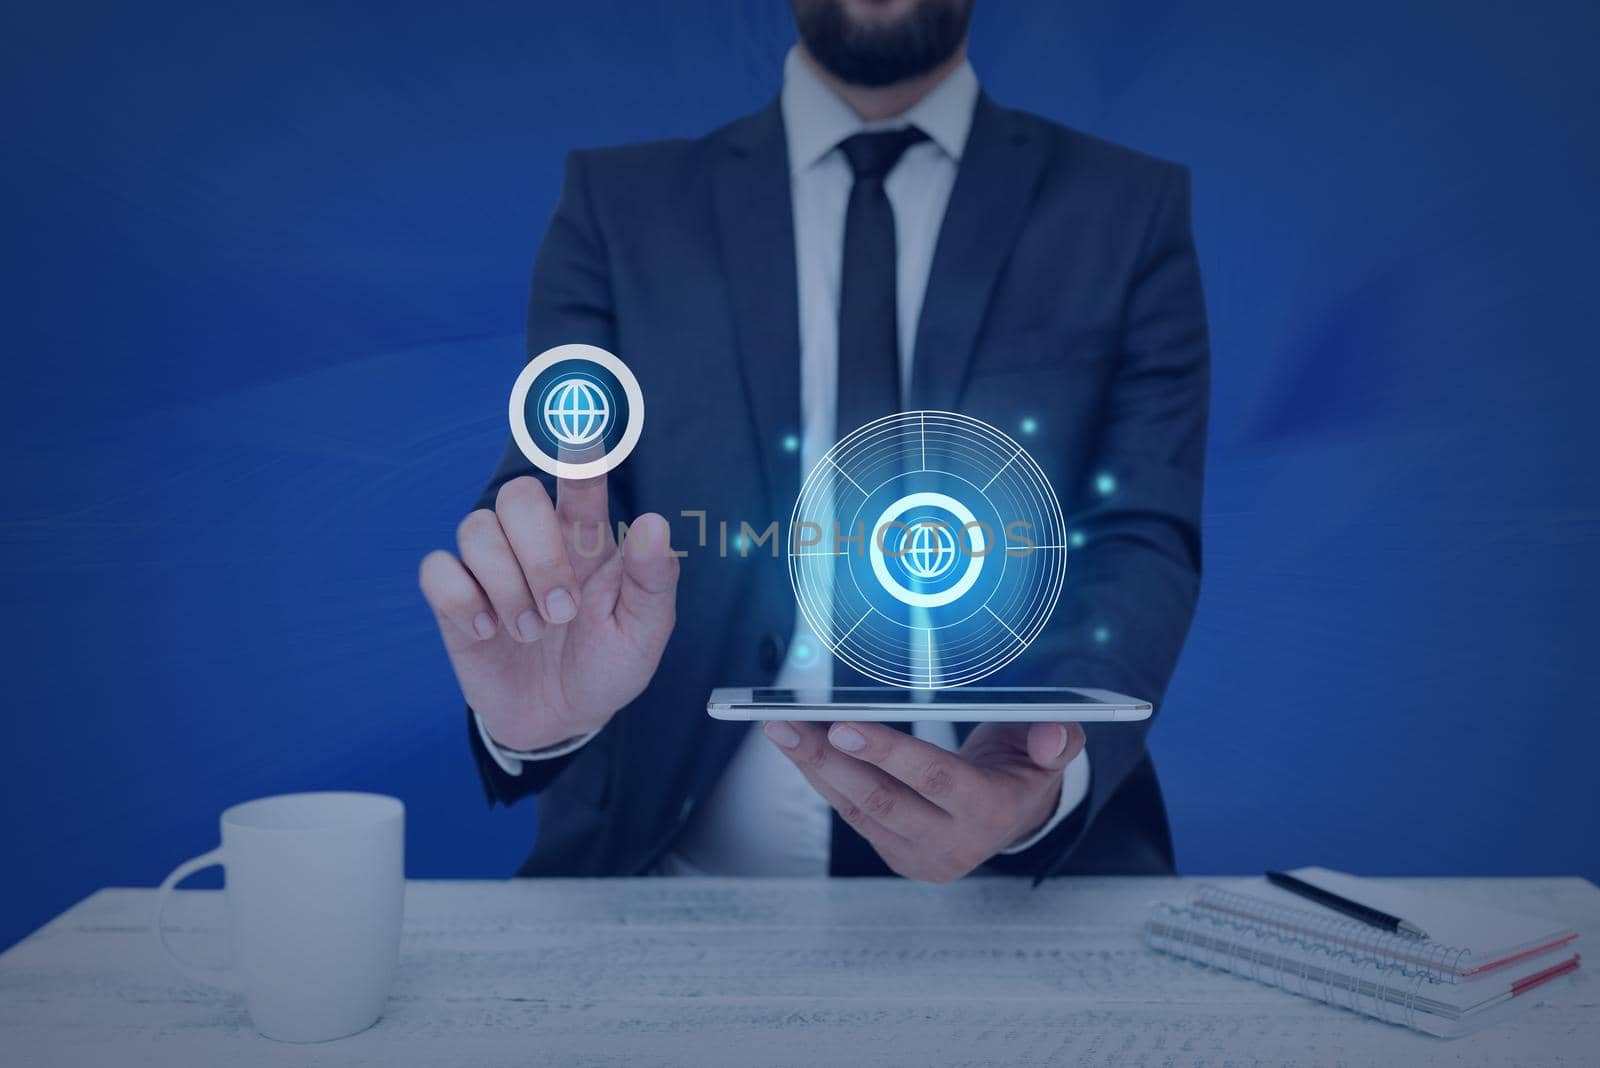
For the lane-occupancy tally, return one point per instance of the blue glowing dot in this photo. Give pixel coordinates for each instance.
(1076, 539)
(1029, 425)
(802, 652)
(1102, 634)
(741, 543)
(791, 443)
(1105, 484)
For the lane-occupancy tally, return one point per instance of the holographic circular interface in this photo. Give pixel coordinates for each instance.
(927, 550)
(576, 411)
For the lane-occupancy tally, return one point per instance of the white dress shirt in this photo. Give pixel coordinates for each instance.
(763, 818)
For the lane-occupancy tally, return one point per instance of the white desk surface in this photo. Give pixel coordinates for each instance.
(833, 972)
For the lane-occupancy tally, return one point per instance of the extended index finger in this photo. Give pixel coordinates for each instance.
(938, 775)
(583, 507)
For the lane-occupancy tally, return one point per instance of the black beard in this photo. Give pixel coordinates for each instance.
(876, 56)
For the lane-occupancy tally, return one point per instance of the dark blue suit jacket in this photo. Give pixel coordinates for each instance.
(1064, 287)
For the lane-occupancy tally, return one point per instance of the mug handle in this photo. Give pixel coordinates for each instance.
(205, 975)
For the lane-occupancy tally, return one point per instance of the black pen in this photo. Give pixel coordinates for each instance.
(1353, 909)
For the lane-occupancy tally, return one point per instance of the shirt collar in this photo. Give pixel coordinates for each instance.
(815, 120)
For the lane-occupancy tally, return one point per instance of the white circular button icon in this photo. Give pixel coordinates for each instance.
(576, 410)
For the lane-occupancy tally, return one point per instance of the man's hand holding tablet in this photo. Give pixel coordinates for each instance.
(931, 814)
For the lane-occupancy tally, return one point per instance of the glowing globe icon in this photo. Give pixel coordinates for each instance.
(577, 412)
(928, 550)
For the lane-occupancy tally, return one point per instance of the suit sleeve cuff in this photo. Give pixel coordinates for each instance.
(1074, 788)
(510, 761)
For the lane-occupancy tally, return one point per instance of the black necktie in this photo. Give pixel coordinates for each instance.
(869, 368)
(869, 332)
(868, 384)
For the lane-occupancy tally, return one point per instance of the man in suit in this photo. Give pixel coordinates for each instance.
(882, 237)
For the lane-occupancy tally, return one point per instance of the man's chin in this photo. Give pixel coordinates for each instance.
(876, 43)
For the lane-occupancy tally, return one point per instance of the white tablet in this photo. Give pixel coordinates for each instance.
(966, 704)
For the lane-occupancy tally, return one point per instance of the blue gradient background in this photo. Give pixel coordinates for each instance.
(264, 281)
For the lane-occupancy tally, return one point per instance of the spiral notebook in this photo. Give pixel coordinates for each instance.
(1475, 967)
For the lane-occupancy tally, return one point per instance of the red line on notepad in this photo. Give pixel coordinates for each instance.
(1489, 965)
(1523, 985)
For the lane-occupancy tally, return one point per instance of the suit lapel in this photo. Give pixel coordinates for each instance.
(993, 193)
(751, 198)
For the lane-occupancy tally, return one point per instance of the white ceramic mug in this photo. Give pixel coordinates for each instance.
(315, 893)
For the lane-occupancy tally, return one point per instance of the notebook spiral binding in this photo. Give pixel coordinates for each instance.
(1335, 960)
